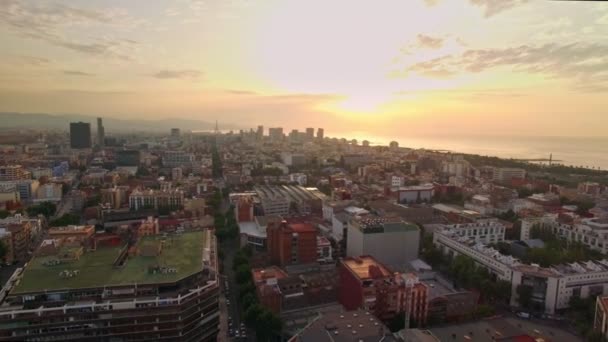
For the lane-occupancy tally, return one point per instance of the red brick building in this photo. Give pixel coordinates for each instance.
(368, 284)
(290, 244)
(267, 288)
(244, 209)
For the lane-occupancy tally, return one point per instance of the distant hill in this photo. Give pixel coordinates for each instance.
(62, 122)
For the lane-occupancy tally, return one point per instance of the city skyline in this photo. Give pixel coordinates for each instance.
(428, 67)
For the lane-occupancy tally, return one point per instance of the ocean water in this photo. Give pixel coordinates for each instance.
(579, 151)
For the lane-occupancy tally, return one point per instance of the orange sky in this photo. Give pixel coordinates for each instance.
(389, 67)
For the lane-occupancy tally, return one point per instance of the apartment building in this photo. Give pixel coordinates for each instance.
(150, 198)
(592, 232)
(291, 244)
(160, 289)
(13, 173)
(177, 158)
(368, 284)
(552, 286)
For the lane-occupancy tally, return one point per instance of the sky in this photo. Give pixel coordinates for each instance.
(388, 67)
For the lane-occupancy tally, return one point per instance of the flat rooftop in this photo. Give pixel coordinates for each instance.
(346, 327)
(360, 266)
(501, 328)
(184, 252)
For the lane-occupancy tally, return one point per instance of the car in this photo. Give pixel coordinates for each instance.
(237, 334)
(524, 315)
(242, 325)
(227, 301)
(230, 324)
(231, 333)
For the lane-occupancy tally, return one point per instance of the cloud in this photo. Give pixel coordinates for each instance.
(493, 7)
(178, 74)
(46, 21)
(77, 73)
(585, 64)
(429, 42)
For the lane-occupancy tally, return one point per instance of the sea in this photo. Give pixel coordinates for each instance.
(589, 152)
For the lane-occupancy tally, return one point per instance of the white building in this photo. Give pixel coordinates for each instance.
(49, 192)
(505, 174)
(25, 187)
(552, 287)
(166, 198)
(593, 232)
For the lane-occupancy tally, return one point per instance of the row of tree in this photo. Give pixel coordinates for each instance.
(267, 325)
(557, 250)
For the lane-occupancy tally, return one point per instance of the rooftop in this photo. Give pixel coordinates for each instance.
(96, 268)
(346, 326)
(361, 267)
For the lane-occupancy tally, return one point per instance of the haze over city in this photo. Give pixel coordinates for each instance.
(392, 69)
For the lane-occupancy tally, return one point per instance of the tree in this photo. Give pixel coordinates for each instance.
(243, 274)
(45, 208)
(524, 295)
(66, 220)
(4, 214)
(583, 207)
(3, 250)
(248, 300)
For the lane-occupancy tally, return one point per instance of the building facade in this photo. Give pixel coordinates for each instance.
(126, 303)
(80, 135)
(391, 241)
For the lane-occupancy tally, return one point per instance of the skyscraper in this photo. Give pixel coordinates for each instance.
(260, 132)
(175, 132)
(101, 133)
(320, 133)
(80, 135)
(310, 134)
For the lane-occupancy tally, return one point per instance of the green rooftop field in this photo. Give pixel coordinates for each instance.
(95, 268)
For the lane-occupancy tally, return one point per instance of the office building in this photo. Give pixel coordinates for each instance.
(80, 135)
(162, 288)
(13, 173)
(293, 159)
(390, 240)
(320, 134)
(291, 244)
(101, 133)
(260, 132)
(506, 174)
(175, 133)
